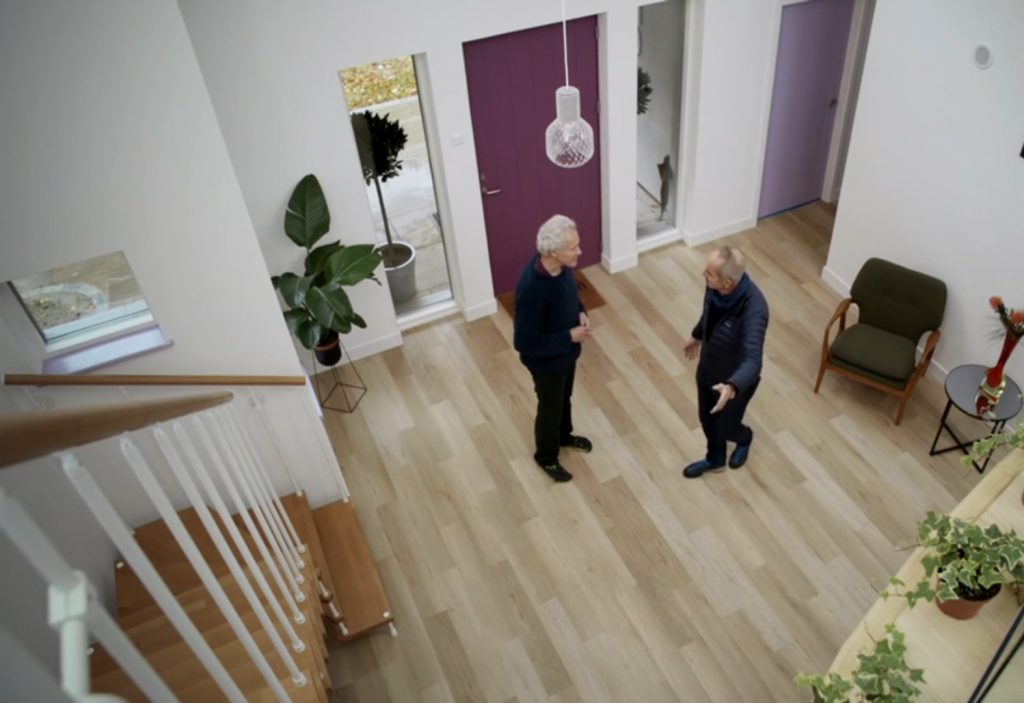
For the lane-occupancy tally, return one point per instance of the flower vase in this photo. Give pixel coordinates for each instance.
(994, 381)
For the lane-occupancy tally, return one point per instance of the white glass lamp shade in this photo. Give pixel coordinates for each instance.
(569, 139)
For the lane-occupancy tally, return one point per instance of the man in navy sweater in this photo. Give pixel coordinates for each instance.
(729, 340)
(550, 327)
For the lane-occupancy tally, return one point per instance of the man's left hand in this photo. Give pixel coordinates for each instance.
(584, 320)
(726, 392)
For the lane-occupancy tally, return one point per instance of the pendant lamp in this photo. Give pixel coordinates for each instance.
(569, 140)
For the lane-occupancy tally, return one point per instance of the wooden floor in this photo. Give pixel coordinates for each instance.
(631, 583)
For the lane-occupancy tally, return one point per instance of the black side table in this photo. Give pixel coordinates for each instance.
(961, 388)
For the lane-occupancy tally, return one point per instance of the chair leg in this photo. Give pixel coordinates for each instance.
(903, 406)
(821, 375)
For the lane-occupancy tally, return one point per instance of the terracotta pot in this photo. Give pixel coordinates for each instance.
(963, 609)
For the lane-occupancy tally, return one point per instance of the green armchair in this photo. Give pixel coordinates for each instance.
(897, 306)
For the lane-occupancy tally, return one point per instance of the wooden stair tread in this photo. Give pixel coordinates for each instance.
(358, 589)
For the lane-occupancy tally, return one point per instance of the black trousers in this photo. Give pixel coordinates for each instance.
(727, 424)
(554, 413)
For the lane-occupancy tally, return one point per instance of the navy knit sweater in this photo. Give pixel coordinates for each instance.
(547, 307)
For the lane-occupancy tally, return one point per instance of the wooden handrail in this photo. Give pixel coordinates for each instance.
(25, 436)
(39, 379)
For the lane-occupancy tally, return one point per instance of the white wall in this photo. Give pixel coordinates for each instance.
(271, 69)
(933, 178)
(661, 55)
(730, 55)
(109, 141)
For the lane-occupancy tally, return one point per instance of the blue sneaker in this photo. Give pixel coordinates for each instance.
(699, 468)
(739, 454)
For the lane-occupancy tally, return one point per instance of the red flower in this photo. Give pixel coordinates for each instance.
(996, 302)
(1017, 318)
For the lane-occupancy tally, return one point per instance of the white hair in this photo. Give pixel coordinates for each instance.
(733, 266)
(551, 235)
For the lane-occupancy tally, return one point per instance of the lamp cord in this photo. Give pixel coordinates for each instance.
(565, 47)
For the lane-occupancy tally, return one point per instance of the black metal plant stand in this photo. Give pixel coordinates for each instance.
(327, 385)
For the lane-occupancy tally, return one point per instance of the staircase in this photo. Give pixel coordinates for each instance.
(251, 595)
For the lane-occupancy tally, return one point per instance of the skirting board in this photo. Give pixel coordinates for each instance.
(375, 346)
(833, 281)
(475, 312)
(709, 235)
(620, 264)
(669, 236)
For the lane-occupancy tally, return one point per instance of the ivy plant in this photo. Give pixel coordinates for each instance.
(969, 560)
(881, 675)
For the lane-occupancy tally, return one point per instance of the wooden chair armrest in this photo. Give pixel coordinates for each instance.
(929, 351)
(840, 315)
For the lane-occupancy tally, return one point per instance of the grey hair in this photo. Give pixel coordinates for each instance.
(551, 235)
(733, 267)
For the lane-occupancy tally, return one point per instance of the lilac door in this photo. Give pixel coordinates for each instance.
(512, 80)
(808, 70)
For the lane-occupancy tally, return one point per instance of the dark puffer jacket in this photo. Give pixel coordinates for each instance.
(732, 350)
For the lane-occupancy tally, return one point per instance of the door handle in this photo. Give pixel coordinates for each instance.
(483, 189)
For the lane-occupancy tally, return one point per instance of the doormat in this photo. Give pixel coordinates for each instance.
(589, 296)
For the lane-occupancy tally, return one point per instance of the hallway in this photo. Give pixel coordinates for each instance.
(630, 583)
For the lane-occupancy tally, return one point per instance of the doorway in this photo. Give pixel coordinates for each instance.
(660, 42)
(805, 99)
(512, 80)
(400, 189)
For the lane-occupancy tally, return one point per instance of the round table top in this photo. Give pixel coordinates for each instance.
(962, 387)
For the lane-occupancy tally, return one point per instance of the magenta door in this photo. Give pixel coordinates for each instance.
(808, 70)
(512, 80)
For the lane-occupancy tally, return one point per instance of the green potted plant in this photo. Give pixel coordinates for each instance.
(643, 90)
(318, 306)
(380, 140)
(881, 675)
(965, 566)
(1013, 437)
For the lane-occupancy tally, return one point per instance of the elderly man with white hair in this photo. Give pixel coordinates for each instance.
(550, 327)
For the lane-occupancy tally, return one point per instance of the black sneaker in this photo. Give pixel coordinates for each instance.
(699, 468)
(740, 454)
(557, 472)
(578, 443)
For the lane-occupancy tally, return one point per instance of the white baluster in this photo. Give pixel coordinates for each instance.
(273, 439)
(122, 538)
(263, 505)
(196, 498)
(243, 512)
(195, 558)
(268, 486)
(265, 535)
(40, 552)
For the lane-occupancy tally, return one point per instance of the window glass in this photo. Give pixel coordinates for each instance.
(84, 300)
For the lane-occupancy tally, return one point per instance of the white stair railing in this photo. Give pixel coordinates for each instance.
(243, 512)
(121, 535)
(261, 504)
(281, 517)
(214, 530)
(170, 517)
(74, 612)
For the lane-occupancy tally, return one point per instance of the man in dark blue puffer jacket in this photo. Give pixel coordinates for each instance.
(729, 340)
(550, 325)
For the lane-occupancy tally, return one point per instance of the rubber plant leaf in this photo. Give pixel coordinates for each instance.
(352, 264)
(307, 218)
(293, 288)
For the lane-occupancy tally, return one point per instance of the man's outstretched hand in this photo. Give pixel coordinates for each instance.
(726, 392)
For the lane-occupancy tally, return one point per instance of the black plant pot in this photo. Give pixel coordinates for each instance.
(328, 352)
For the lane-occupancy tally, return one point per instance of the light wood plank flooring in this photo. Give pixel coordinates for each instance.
(631, 583)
